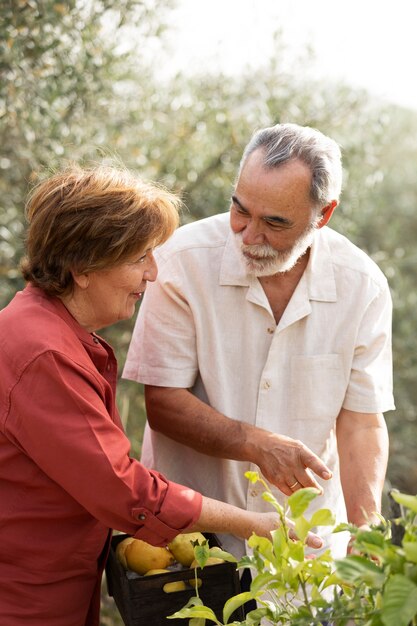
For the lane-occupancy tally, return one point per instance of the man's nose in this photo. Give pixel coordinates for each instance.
(253, 234)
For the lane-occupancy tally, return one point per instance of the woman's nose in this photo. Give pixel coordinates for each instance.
(152, 271)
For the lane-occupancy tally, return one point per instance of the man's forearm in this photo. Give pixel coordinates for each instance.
(363, 450)
(178, 414)
(287, 463)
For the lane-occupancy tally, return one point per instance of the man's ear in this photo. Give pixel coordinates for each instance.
(81, 280)
(326, 213)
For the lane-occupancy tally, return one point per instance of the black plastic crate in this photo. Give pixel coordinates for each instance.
(142, 601)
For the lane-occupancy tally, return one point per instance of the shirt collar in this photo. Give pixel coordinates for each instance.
(232, 269)
(319, 274)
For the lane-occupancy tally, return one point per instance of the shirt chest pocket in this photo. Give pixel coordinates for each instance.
(318, 387)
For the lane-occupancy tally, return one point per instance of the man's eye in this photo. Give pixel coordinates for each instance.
(273, 224)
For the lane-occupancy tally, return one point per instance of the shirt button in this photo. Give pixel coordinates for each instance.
(266, 384)
(271, 331)
(253, 493)
(95, 340)
(142, 516)
(109, 367)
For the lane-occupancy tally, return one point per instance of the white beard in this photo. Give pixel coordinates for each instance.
(269, 261)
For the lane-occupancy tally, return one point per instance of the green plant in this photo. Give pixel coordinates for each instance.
(375, 585)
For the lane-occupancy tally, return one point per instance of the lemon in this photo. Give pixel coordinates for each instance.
(195, 582)
(120, 550)
(182, 548)
(153, 572)
(142, 557)
(178, 585)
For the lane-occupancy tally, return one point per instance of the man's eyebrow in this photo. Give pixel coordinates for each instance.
(236, 201)
(277, 219)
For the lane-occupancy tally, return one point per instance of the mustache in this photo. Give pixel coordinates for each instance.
(261, 251)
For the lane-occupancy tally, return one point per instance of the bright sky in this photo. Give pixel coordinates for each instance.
(367, 43)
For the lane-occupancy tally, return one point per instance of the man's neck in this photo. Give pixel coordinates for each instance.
(280, 287)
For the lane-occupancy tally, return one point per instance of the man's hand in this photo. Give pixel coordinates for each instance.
(287, 463)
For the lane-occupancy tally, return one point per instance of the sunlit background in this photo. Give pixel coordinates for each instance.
(370, 44)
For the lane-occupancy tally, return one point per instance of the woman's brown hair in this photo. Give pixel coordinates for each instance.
(84, 220)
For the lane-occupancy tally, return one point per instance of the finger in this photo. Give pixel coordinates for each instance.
(295, 484)
(303, 479)
(315, 464)
(312, 540)
(285, 489)
(308, 480)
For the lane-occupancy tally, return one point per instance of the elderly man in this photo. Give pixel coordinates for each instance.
(266, 342)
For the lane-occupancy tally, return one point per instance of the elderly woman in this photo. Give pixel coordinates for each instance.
(66, 475)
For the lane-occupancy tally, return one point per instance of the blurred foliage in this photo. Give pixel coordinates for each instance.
(80, 80)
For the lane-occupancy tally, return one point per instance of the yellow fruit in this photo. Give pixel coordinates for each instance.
(179, 585)
(153, 572)
(212, 560)
(196, 583)
(182, 548)
(142, 557)
(120, 550)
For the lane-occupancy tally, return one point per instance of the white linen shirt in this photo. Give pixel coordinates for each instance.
(207, 326)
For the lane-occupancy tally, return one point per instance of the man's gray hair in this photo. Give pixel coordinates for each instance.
(283, 142)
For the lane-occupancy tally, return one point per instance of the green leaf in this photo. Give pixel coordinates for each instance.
(399, 601)
(269, 497)
(261, 581)
(299, 501)
(302, 527)
(322, 517)
(254, 617)
(234, 603)
(279, 541)
(263, 545)
(410, 502)
(296, 550)
(345, 527)
(357, 569)
(201, 552)
(372, 543)
(201, 612)
(370, 537)
(410, 551)
(222, 554)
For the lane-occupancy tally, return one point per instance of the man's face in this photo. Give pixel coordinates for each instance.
(272, 215)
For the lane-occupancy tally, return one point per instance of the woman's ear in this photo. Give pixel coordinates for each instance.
(326, 213)
(81, 280)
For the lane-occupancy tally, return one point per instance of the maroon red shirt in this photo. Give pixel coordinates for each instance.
(66, 477)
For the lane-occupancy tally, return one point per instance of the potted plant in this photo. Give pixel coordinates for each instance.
(375, 585)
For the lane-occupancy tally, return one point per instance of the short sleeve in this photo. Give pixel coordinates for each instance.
(371, 380)
(162, 350)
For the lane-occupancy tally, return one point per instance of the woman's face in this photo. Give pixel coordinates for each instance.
(110, 295)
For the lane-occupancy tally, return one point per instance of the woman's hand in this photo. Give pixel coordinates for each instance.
(266, 522)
